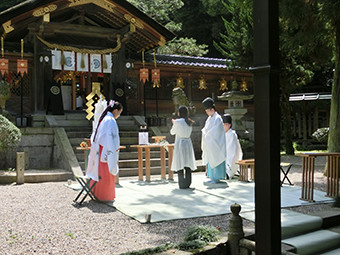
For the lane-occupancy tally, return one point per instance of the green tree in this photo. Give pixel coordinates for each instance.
(237, 43)
(329, 13)
(305, 49)
(163, 12)
(201, 19)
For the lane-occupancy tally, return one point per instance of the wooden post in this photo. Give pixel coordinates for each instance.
(235, 229)
(20, 169)
(163, 170)
(140, 163)
(147, 164)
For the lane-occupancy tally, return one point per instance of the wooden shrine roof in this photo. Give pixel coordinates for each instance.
(83, 23)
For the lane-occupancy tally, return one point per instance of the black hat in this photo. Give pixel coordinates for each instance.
(208, 103)
(227, 118)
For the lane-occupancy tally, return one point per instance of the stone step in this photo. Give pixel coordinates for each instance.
(35, 176)
(73, 123)
(314, 242)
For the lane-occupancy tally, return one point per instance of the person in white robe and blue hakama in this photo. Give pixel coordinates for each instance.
(213, 143)
(104, 154)
(184, 157)
(233, 148)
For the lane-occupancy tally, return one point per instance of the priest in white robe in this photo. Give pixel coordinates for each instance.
(183, 161)
(233, 148)
(213, 143)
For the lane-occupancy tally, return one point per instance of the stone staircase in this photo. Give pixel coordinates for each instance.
(78, 128)
(312, 234)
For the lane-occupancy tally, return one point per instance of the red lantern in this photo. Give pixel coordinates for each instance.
(143, 74)
(22, 66)
(3, 66)
(156, 75)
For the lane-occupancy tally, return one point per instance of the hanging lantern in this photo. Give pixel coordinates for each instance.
(3, 61)
(22, 65)
(180, 82)
(143, 74)
(155, 73)
(202, 83)
(156, 78)
(223, 85)
(3, 66)
(243, 86)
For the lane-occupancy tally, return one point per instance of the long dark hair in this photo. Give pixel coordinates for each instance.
(109, 108)
(183, 113)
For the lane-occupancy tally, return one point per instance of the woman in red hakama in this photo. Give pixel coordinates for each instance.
(104, 154)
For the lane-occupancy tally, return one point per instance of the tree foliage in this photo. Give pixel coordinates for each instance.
(329, 13)
(237, 43)
(163, 12)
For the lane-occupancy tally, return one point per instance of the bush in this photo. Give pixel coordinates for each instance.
(5, 89)
(10, 135)
(206, 234)
(321, 134)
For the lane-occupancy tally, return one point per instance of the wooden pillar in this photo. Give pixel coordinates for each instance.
(267, 127)
(298, 117)
(74, 89)
(316, 119)
(309, 124)
(304, 126)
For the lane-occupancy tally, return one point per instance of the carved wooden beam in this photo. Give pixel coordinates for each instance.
(52, 28)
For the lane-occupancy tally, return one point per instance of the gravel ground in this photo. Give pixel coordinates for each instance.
(41, 219)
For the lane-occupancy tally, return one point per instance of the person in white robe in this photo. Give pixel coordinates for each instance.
(213, 143)
(104, 154)
(183, 161)
(233, 148)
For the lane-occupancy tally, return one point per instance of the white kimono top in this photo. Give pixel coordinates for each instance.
(184, 155)
(213, 141)
(108, 137)
(233, 152)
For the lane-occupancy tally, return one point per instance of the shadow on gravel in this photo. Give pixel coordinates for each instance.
(96, 207)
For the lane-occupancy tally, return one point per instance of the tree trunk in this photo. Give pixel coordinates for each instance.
(287, 123)
(334, 120)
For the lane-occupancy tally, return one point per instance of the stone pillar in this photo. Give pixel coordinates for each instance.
(20, 169)
(235, 230)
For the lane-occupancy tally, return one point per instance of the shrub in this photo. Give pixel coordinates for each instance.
(206, 234)
(10, 135)
(5, 89)
(321, 134)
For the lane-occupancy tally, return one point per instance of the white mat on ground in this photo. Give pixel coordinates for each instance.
(165, 201)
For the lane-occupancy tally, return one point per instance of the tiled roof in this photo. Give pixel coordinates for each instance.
(191, 61)
(309, 96)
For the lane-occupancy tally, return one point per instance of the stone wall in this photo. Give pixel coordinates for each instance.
(40, 149)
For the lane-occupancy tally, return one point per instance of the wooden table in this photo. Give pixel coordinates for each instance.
(244, 166)
(147, 148)
(87, 149)
(308, 160)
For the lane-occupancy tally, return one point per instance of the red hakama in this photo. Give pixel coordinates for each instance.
(105, 187)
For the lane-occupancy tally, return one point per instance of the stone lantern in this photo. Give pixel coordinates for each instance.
(235, 108)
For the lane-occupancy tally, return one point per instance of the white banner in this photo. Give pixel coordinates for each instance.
(69, 61)
(56, 58)
(95, 63)
(82, 58)
(108, 59)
